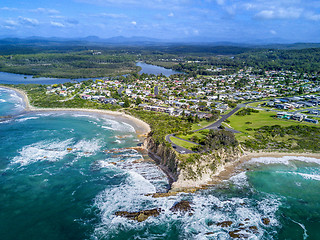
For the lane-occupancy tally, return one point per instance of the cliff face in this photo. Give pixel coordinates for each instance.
(190, 171)
(165, 157)
(201, 170)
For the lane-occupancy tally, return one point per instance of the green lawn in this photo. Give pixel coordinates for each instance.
(201, 124)
(199, 134)
(182, 143)
(255, 104)
(263, 118)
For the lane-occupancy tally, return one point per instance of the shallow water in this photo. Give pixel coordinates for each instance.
(10, 102)
(64, 175)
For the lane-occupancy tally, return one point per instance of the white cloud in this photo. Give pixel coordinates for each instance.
(28, 21)
(312, 16)
(220, 2)
(45, 10)
(170, 14)
(11, 22)
(153, 4)
(134, 23)
(111, 15)
(280, 13)
(56, 24)
(273, 32)
(8, 9)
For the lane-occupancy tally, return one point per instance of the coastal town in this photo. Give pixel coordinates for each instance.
(286, 92)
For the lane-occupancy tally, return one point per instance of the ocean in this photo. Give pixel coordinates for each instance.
(64, 175)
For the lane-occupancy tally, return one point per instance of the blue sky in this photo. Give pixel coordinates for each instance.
(216, 20)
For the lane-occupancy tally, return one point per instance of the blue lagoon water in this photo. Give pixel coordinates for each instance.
(156, 70)
(64, 175)
(12, 78)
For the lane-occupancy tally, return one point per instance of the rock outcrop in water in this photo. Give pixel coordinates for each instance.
(182, 206)
(139, 216)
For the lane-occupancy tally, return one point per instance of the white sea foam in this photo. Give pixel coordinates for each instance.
(307, 176)
(15, 98)
(25, 119)
(42, 151)
(305, 235)
(210, 209)
(117, 126)
(240, 179)
(86, 147)
(128, 196)
(5, 121)
(283, 160)
(3, 101)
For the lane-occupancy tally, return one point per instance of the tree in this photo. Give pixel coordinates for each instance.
(138, 101)
(126, 103)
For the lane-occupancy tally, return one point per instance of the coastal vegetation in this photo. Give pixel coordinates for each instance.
(84, 60)
(291, 138)
(81, 64)
(161, 124)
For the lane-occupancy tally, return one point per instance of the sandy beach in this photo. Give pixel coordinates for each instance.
(140, 126)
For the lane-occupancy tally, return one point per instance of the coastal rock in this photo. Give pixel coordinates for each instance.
(266, 221)
(123, 136)
(139, 149)
(182, 206)
(139, 216)
(225, 224)
(138, 160)
(159, 195)
(254, 229)
(238, 234)
(69, 149)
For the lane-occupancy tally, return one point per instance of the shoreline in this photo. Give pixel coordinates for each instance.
(225, 172)
(141, 127)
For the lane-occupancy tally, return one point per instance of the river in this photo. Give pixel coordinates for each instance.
(12, 78)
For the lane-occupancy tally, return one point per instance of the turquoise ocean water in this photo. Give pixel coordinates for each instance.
(64, 175)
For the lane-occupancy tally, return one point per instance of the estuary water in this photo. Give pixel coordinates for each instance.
(156, 70)
(12, 78)
(64, 175)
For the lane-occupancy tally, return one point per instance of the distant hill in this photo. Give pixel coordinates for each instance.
(136, 40)
(36, 44)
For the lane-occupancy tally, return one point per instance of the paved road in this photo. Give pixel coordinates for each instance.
(214, 125)
(176, 147)
(218, 123)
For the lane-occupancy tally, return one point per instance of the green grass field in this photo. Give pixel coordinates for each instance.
(201, 124)
(255, 104)
(182, 143)
(257, 120)
(199, 134)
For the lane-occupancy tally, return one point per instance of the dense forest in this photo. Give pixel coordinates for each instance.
(83, 60)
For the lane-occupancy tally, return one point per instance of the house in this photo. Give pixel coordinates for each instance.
(86, 97)
(311, 120)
